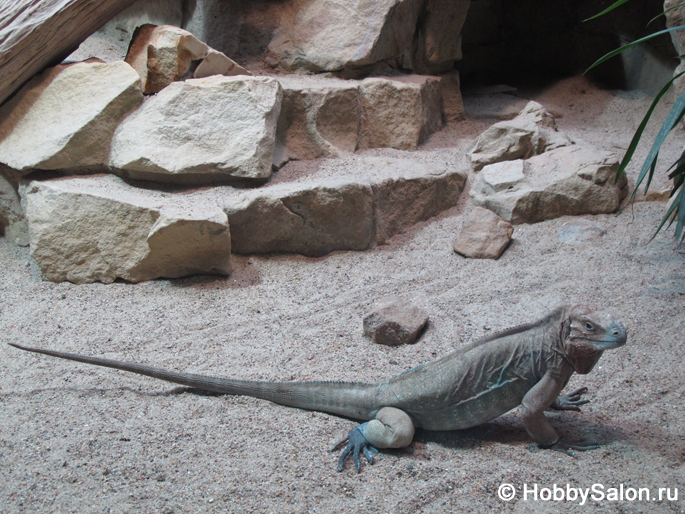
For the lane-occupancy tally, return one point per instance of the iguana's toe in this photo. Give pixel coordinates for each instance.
(568, 448)
(357, 443)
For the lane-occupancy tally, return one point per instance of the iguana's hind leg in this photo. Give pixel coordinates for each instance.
(391, 428)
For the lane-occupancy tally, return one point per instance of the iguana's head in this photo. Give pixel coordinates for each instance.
(587, 332)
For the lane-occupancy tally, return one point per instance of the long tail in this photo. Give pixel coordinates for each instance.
(353, 400)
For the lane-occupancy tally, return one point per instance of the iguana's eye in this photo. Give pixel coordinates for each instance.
(589, 326)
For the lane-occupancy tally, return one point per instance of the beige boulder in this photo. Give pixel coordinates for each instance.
(12, 220)
(484, 235)
(64, 118)
(439, 35)
(579, 231)
(202, 131)
(400, 112)
(532, 132)
(329, 35)
(98, 228)
(319, 117)
(162, 55)
(349, 204)
(311, 218)
(570, 180)
(394, 321)
(216, 63)
(409, 191)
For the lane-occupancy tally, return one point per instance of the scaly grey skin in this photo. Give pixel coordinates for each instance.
(526, 366)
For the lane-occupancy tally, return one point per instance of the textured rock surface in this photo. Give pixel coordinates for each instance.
(394, 321)
(65, 117)
(675, 17)
(98, 228)
(223, 128)
(162, 55)
(216, 63)
(484, 235)
(580, 230)
(400, 112)
(407, 192)
(532, 132)
(319, 117)
(570, 180)
(310, 218)
(34, 33)
(340, 210)
(329, 35)
(439, 35)
(12, 220)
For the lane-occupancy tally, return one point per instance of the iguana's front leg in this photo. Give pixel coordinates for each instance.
(391, 428)
(543, 395)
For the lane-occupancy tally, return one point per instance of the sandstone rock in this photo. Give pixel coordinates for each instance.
(580, 230)
(12, 220)
(319, 117)
(439, 35)
(400, 112)
(484, 236)
(201, 131)
(675, 17)
(33, 34)
(394, 321)
(328, 35)
(162, 55)
(216, 63)
(532, 132)
(98, 228)
(64, 118)
(570, 180)
(311, 218)
(407, 192)
(339, 208)
(453, 103)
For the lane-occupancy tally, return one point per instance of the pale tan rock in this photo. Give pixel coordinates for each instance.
(320, 117)
(400, 112)
(64, 118)
(484, 235)
(579, 231)
(162, 55)
(202, 131)
(12, 219)
(311, 218)
(340, 208)
(217, 63)
(453, 103)
(407, 192)
(99, 228)
(34, 33)
(570, 180)
(439, 35)
(328, 35)
(532, 132)
(394, 321)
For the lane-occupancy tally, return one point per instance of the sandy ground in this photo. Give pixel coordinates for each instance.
(77, 438)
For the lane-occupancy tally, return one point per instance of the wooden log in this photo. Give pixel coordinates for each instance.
(35, 34)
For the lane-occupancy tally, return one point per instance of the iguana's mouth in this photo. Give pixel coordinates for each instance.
(607, 344)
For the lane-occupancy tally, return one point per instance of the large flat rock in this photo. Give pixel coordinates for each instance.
(349, 204)
(64, 118)
(202, 131)
(99, 228)
(327, 117)
(570, 180)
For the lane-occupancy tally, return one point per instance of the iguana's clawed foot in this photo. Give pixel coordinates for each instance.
(357, 443)
(571, 401)
(568, 448)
